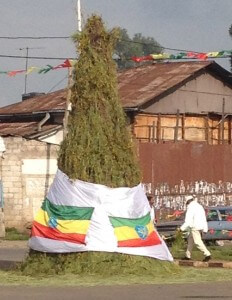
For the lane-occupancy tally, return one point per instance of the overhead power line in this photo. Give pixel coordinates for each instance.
(58, 83)
(74, 58)
(69, 37)
(33, 37)
(36, 57)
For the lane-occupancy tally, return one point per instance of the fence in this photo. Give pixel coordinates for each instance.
(173, 171)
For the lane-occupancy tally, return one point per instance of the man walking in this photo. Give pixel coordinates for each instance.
(196, 223)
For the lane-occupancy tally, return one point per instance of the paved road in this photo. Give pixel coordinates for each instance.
(134, 292)
(13, 250)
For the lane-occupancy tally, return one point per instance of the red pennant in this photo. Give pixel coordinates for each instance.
(141, 58)
(202, 56)
(13, 73)
(65, 64)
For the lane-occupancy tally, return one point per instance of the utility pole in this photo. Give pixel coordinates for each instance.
(68, 104)
(78, 10)
(26, 65)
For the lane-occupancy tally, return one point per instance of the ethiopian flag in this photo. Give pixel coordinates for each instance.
(137, 232)
(62, 223)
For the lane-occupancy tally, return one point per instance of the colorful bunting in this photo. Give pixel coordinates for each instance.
(13, 73)
(65, 64)
(68, 63)
(142, 58)
(184, 55)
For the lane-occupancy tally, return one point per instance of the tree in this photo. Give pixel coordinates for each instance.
(98, 147)
(137, 46)
(230, 32)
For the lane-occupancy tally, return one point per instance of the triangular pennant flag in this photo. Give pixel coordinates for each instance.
(65, 64)
(45, 70)
(13, 73)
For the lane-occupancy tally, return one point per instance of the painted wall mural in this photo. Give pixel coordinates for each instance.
(169, 198)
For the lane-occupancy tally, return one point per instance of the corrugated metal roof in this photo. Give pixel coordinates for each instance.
(50, 102)
(136, 86)
(139, 85)
(24, 129)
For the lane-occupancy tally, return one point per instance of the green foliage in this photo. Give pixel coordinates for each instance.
(12, 234)
(98, 147)
(178, 245)
(95, 263)
(139, 45)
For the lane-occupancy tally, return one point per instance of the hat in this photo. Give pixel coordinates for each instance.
(189, 198)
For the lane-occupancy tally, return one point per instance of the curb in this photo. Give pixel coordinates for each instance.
(201, 264)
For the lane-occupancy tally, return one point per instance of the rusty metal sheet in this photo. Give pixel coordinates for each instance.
(139, 85)
(51, 102)
(189, 162)
(23, 128)
(136, 86)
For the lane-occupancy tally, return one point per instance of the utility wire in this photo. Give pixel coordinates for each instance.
(69, 37)
(35, 57)
(129, 59)
(33, 37)
(59, 82)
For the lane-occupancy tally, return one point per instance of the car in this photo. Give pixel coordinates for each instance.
(219, 220)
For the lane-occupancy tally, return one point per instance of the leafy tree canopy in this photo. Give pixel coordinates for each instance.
(139, 45)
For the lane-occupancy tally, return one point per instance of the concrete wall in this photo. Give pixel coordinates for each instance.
(27, 170)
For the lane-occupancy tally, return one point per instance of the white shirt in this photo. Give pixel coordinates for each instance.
(152, 212)
(195, 217)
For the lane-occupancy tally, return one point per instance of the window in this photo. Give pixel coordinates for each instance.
(212, 215)
(226, 215)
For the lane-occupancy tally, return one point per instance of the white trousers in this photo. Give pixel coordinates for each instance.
(195, 238)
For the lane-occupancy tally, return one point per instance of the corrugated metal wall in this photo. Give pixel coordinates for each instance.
(172, 171)
(174, 162)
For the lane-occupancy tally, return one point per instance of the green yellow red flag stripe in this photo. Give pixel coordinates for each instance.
(61, 222)
(139, 232)
(39, 230)
(64, 226)
(65, 212)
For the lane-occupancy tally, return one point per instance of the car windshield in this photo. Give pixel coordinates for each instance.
(226, 215)
(212, 215)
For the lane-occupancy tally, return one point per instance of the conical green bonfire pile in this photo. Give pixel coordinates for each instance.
(98, 147)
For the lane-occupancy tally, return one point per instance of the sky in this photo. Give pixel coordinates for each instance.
(199, 25)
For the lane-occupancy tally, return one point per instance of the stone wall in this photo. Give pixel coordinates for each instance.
(27, 170)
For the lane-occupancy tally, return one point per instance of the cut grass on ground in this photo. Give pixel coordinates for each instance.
(185, 275)
(99, 268)
(12, 234)
(179, 246)
(218, 253)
